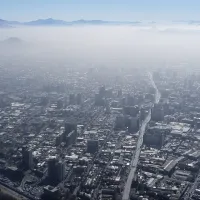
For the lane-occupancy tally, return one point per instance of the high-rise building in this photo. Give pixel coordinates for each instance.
(27, 157)
(71, 138)
(119, 93)
(72, 99)
(131, 110)
(108, 93)
(119, 122)
(52, 163)
(154, 137)
(134, 124)
(127, 121)
(69, 127)
(107, 107)
(157, 113)
(79, 98)
(102, 91)
(143, 113)
(56, 169)
(70, 133)
(130, 100)
(59, 139)
(99, 100)
(60, 171)
(92, 146)
(123, 101)
(60, 103)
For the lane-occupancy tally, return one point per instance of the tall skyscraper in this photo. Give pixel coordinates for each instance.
(56, 170)
(71, 138)
(157, 113)
(72, 99)
(131, 110)
(70, 133)
(60, 170)
(119, 122)
(102, 91)
(119, 93)
(27, 157)
(79, 98)
(52, 162)
(92, 146)
(99, 100)
(134, 124)
(130, 100)
(70, 127)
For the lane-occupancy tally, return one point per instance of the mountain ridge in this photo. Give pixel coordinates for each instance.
(57, 22)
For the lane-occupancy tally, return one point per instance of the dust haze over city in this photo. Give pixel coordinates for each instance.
(99, 100)
(111, 46)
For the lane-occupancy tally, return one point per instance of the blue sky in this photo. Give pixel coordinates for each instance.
(25, 10)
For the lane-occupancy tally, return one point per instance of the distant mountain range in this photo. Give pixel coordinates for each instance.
(82, 22)
(8, 24)
(192, 22)
(54, 22)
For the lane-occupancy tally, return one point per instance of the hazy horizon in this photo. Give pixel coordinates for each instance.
(108, 45)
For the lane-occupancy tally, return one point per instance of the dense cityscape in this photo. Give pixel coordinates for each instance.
(99, 100)
(93, 134)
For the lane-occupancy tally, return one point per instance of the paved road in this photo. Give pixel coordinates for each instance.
(191, 191)
(157, 96)
(135, 158)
